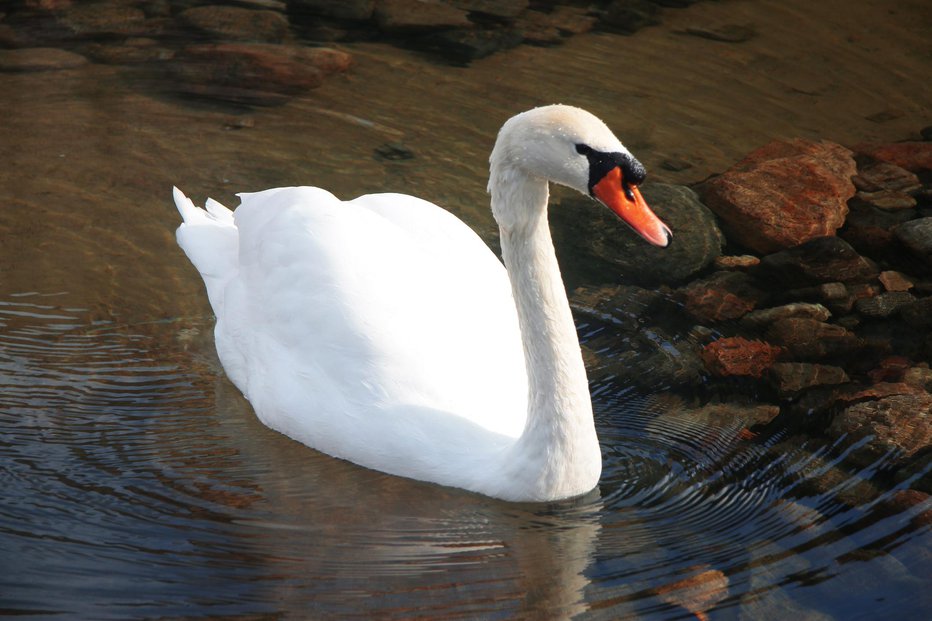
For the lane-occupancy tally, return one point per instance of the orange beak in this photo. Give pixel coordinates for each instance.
(631, 207)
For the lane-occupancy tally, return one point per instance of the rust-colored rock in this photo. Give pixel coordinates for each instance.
(915, 157)
(259, 73)
(737, 356)
(697, 593)
(721, 296)
(895, 281)
(783, 194)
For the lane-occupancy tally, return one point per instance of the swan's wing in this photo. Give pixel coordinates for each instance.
(348, 310)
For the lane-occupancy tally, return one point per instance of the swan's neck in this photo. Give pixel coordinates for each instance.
(558, 449)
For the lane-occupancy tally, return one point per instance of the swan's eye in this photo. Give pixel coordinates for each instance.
(584, 149)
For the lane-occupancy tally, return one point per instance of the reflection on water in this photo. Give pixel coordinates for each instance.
(138, 483)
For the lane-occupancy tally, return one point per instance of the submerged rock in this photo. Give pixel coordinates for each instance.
(737, 356)
(821, 260)
(410, 15)
(762, 318)
(913, 156)
(602, 242)
(809, 339)
(721, 296)
(791, 377)
(228, 22)
(39, 59)
(900, 423)
(783, 194)
(337, 9)
(256, 73)
(916, 235)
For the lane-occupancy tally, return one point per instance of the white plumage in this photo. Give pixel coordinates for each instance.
(382, 330)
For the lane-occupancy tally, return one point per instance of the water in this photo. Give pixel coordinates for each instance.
(137, 482)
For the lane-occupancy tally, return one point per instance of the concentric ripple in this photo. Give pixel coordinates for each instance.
(138, 483)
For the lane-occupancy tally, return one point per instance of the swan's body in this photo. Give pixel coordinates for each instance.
(382, 330)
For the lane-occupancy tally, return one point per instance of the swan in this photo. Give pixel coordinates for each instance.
(383, 331)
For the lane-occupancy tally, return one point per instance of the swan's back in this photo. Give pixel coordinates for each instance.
(380, 326)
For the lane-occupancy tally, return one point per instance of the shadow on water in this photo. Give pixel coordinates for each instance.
(138, 483)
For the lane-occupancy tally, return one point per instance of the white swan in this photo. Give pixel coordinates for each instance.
(383, 331)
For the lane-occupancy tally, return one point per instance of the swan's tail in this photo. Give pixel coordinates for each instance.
(211, 241)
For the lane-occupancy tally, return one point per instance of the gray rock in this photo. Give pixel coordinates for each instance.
(885, 304)
(766, 316)
(791, 377)
(597, 238)
(916, 235)
(808, 339)
(824, 259)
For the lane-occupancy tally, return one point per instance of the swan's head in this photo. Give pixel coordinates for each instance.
(574, 148)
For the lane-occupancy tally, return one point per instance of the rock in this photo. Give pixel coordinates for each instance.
(714, 415)
(918, 314)
(498, 8)
(737, 356)
(726, 33)
(890, 369)
(629, 16)
(698, 593)
(916, 235)
(783, 194)
(820, 260)
(913, 156)
(764, 317)
(909, 501)
(463, 45)
(228, 22)
(338, 9)
(886, 199)
(885, 304)
(808, 339)
(895, 281)
(791, 377)
(393, 152)
(875, 176)
(918, 377)
(92, 19)
(39, 59)
(736, 262)
(550, 28)
(411, 15)
(255, 73)
(647, 358)
(898, 423)
(596, 238)
(721, 296)
(870, 230)
(132, 51)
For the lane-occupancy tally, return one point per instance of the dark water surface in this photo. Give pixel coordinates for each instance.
(137, 483)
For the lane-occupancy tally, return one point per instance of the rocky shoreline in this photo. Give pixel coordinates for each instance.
(814, 322)
(262, 52)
